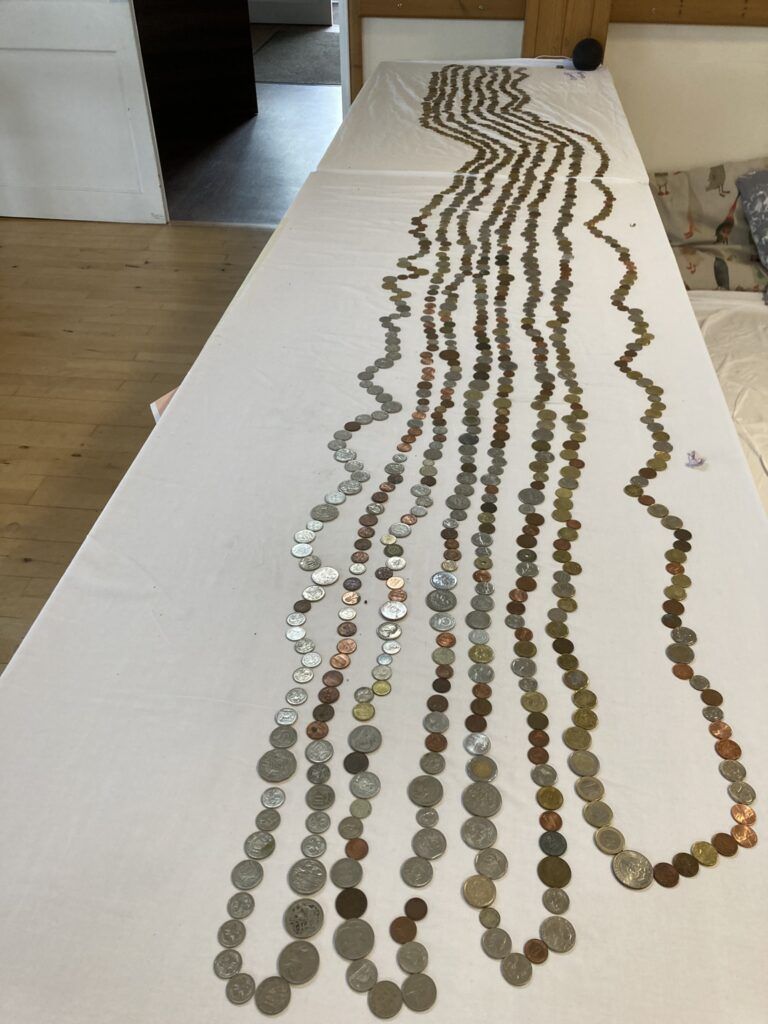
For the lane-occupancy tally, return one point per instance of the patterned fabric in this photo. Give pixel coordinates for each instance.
(703, 215)
(753, 189)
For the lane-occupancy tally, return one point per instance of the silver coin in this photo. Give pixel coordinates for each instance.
(304, 536)
(609, 840)
(416, 872)
(444, 580)
(272, 996)
(350, 828)
(442, 623)
(556, 901)
(589, 788)
(396, 562)
(318, 774)
(558, 934)
(412, 958)
(384, 659)
(304, 646)
(319, 751)
(419, 992)
(360, 808)
(734, 771)
(317, 822)
(435, 721)
(432, 763)
(346, 873)
(481, 799)
(313, 593)
(393, 611)
(427, 817)
(632, 869)
(286, 716)
(382, 672)
(362, 975)
(227, 964)
(314, 525)
(298, 962)
(296, 696)
(296, 619)
(268, 820)
(364, 695)
(303, 675)
(295, 633)
(496, 943)
(388, 631)
(385, 1000)
(240, 989)
(391, 647)
(347, 614)
(310, 563)
(320, 798)
(365, 739)
(276, 765)
(516, 968)
(742, 793)
(365, 785)
(492, 863)
(477, 743)
(350, 487)
(231, 933)
(259, 845)
(429, 843)
(283, 736)
(325, 575)
(311, 660)
(353, 939)
(583, 762)
(306, 876)
(324, 513)
(478, 620)
(273, 797)
(441, 600)
(303, 918)
(240, 905)
(356, 569)
(313, 846)
(544, 775)
(425, 791)
(478, 833)
(247, 874)
(301, 550)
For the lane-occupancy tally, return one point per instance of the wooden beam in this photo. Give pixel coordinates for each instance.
(553, 27)
(692, 12)
(495, 10)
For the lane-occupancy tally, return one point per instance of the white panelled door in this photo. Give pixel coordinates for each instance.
(76, 138)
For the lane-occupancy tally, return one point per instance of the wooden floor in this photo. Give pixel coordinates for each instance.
(96, 321)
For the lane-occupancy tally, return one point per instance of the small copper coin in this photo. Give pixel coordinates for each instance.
(729, 750)
(403, 929)
(743, 814)
(416, 909)
(725, 844)
(356, 849)
(551, 821)
(666, 875)
(685, 864)
(744, 835)
(536, 951)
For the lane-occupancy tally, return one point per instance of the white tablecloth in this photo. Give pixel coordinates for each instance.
(133, 715)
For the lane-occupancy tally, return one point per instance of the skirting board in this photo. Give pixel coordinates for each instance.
(290, 12)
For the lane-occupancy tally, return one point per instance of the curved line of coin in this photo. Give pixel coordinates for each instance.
(274, 993)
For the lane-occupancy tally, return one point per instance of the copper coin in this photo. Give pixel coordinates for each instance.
(350, 598)
(720, 730)
(339, 661)
(744, 835)
(536, 951)
(446, 640)
(554, 872)
(436, 742)
(403, 929)
(551, 821)
(743, 814)
(317, 730)
(727, 749)
(713, 698)
(351, 903)
(416, 909)
(302, 606)
(346, 646)
(666, 875)
(685, 864)
(332, 678)
(357, 849)
(395, 583)
(725, 844)
(346, 629)
(397, 595)
(328, 695)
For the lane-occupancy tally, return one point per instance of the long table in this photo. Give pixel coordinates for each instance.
(469, 311)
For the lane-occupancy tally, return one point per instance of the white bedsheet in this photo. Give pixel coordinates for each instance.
(132, 716)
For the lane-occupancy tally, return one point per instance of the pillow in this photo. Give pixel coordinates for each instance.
(753, 189)
(720, 267)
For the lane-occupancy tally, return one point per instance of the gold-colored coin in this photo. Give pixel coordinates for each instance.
(584, 718)
(534, 701)
(550, 798)
(395, 583)
(363, 712)
(381, 687)
(705, 853)
(479, 891)
(576, 738)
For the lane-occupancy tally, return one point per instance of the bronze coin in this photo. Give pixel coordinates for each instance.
(416, 909)
(340, 661)
(551, 821)
(328, 695)
(713, 698)
(437, 703)
(743, 814)
(666, 875)
(725, 844)
(323, 713)
(302, 606)
(744, 835)
(481, 707)
(346, 629)
(351, 903)
(475, 723)
(685, 865)
(538, 755)
(729, 750)
(446, 640)
(482, 691)
(436, 742)
(536, 951)
(403, 929)
(332, 678)
(554, 872)
(682, 671)
(346, 646)
(317, 730)
(356, 849)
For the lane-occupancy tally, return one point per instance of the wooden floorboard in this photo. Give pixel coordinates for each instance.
(96, 321)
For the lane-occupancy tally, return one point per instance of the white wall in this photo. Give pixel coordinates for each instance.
(694, 94)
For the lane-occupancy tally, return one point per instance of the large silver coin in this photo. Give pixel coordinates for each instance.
(231, 934)
(273, 995)
(324, 513)
(516, 969)
(425, 790)
(478, 833)
(325, 575)
(303, 919)
(557, 933)
(362, 975)
(298, 962)
(227, 964)
(283, 736)
(632, 869)
(259, 845)
(444, 580)
(441, 601)
(276, 765)
(353, 939)
(365, 785)
(734, 771)
(429, 843)
(419, 992)
(240, 989)
(385, 1000)
(240, 905)
(393, 611)
(412, 958)
(365, 739)
(306, 876)
(496, 943)
(481, 799)
(247, 874)
(346, 873)
(416, 872)
(492, 863)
